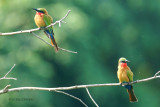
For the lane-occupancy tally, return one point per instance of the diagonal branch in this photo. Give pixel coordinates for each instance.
(5, 76)
(91, 97)
(78, 86)
(157, 73)
(36, 29)
(72, 97)
(50, 44)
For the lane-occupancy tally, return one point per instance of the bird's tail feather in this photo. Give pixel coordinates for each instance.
(132, 97)
(53, 41)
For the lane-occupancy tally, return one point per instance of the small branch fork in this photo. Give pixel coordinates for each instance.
(5, 89)
(59, 22)
(5, 76)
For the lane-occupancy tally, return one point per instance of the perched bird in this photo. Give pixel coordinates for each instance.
(125, 74)
(42, 19)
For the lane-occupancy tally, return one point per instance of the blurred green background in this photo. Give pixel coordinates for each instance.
(101, 31)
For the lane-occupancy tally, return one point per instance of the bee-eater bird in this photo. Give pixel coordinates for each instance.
(125, 74)
(42, 19)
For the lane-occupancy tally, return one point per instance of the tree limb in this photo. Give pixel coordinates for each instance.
(36, 29)
(78, 86)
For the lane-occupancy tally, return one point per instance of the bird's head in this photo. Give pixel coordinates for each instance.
(123, 62)
(40, 10)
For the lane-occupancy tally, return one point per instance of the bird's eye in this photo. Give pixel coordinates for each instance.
(42, 12)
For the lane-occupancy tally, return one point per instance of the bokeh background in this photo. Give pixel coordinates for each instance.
(101, 31)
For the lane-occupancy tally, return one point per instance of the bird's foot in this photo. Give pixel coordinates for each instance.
(42, 28)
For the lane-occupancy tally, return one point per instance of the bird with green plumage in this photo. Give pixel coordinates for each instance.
(124, 75)
(42, 19)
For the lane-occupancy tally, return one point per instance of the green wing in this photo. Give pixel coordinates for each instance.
(48, 20)
(130, 75)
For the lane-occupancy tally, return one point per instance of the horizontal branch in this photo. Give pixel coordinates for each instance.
(36, 29)
(78, 86)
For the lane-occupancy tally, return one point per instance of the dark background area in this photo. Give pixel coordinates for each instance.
(101, 31)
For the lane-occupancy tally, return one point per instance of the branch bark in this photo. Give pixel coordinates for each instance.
(78, 86)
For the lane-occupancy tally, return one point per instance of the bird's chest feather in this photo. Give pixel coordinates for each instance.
(39, 21)
(122, 75)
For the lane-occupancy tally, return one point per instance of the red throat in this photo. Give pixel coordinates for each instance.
(39, 13)
(124, 65)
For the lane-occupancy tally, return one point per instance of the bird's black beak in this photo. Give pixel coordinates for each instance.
(36, 10)
(127, 61)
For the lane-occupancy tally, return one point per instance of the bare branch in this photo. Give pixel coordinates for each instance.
(78, 86)
(36, 29)
(72, 97)
(91, 97)
(50, 44)
(4, 77)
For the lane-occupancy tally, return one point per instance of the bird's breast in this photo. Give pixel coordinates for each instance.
(39, 21)
(122, 75)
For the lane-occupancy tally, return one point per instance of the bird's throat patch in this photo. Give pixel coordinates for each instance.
(39, 13)
(123, 64)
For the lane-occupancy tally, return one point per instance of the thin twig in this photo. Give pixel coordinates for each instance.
(72, 97)
(91, 97)
(10, 70)
(157, 73)
(51, 45)
(60, 21)
(4, 77)
(36, 29)
(8, 78)
(67, 50)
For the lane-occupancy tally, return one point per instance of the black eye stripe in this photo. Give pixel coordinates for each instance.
(123, 61)
(41, 11)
